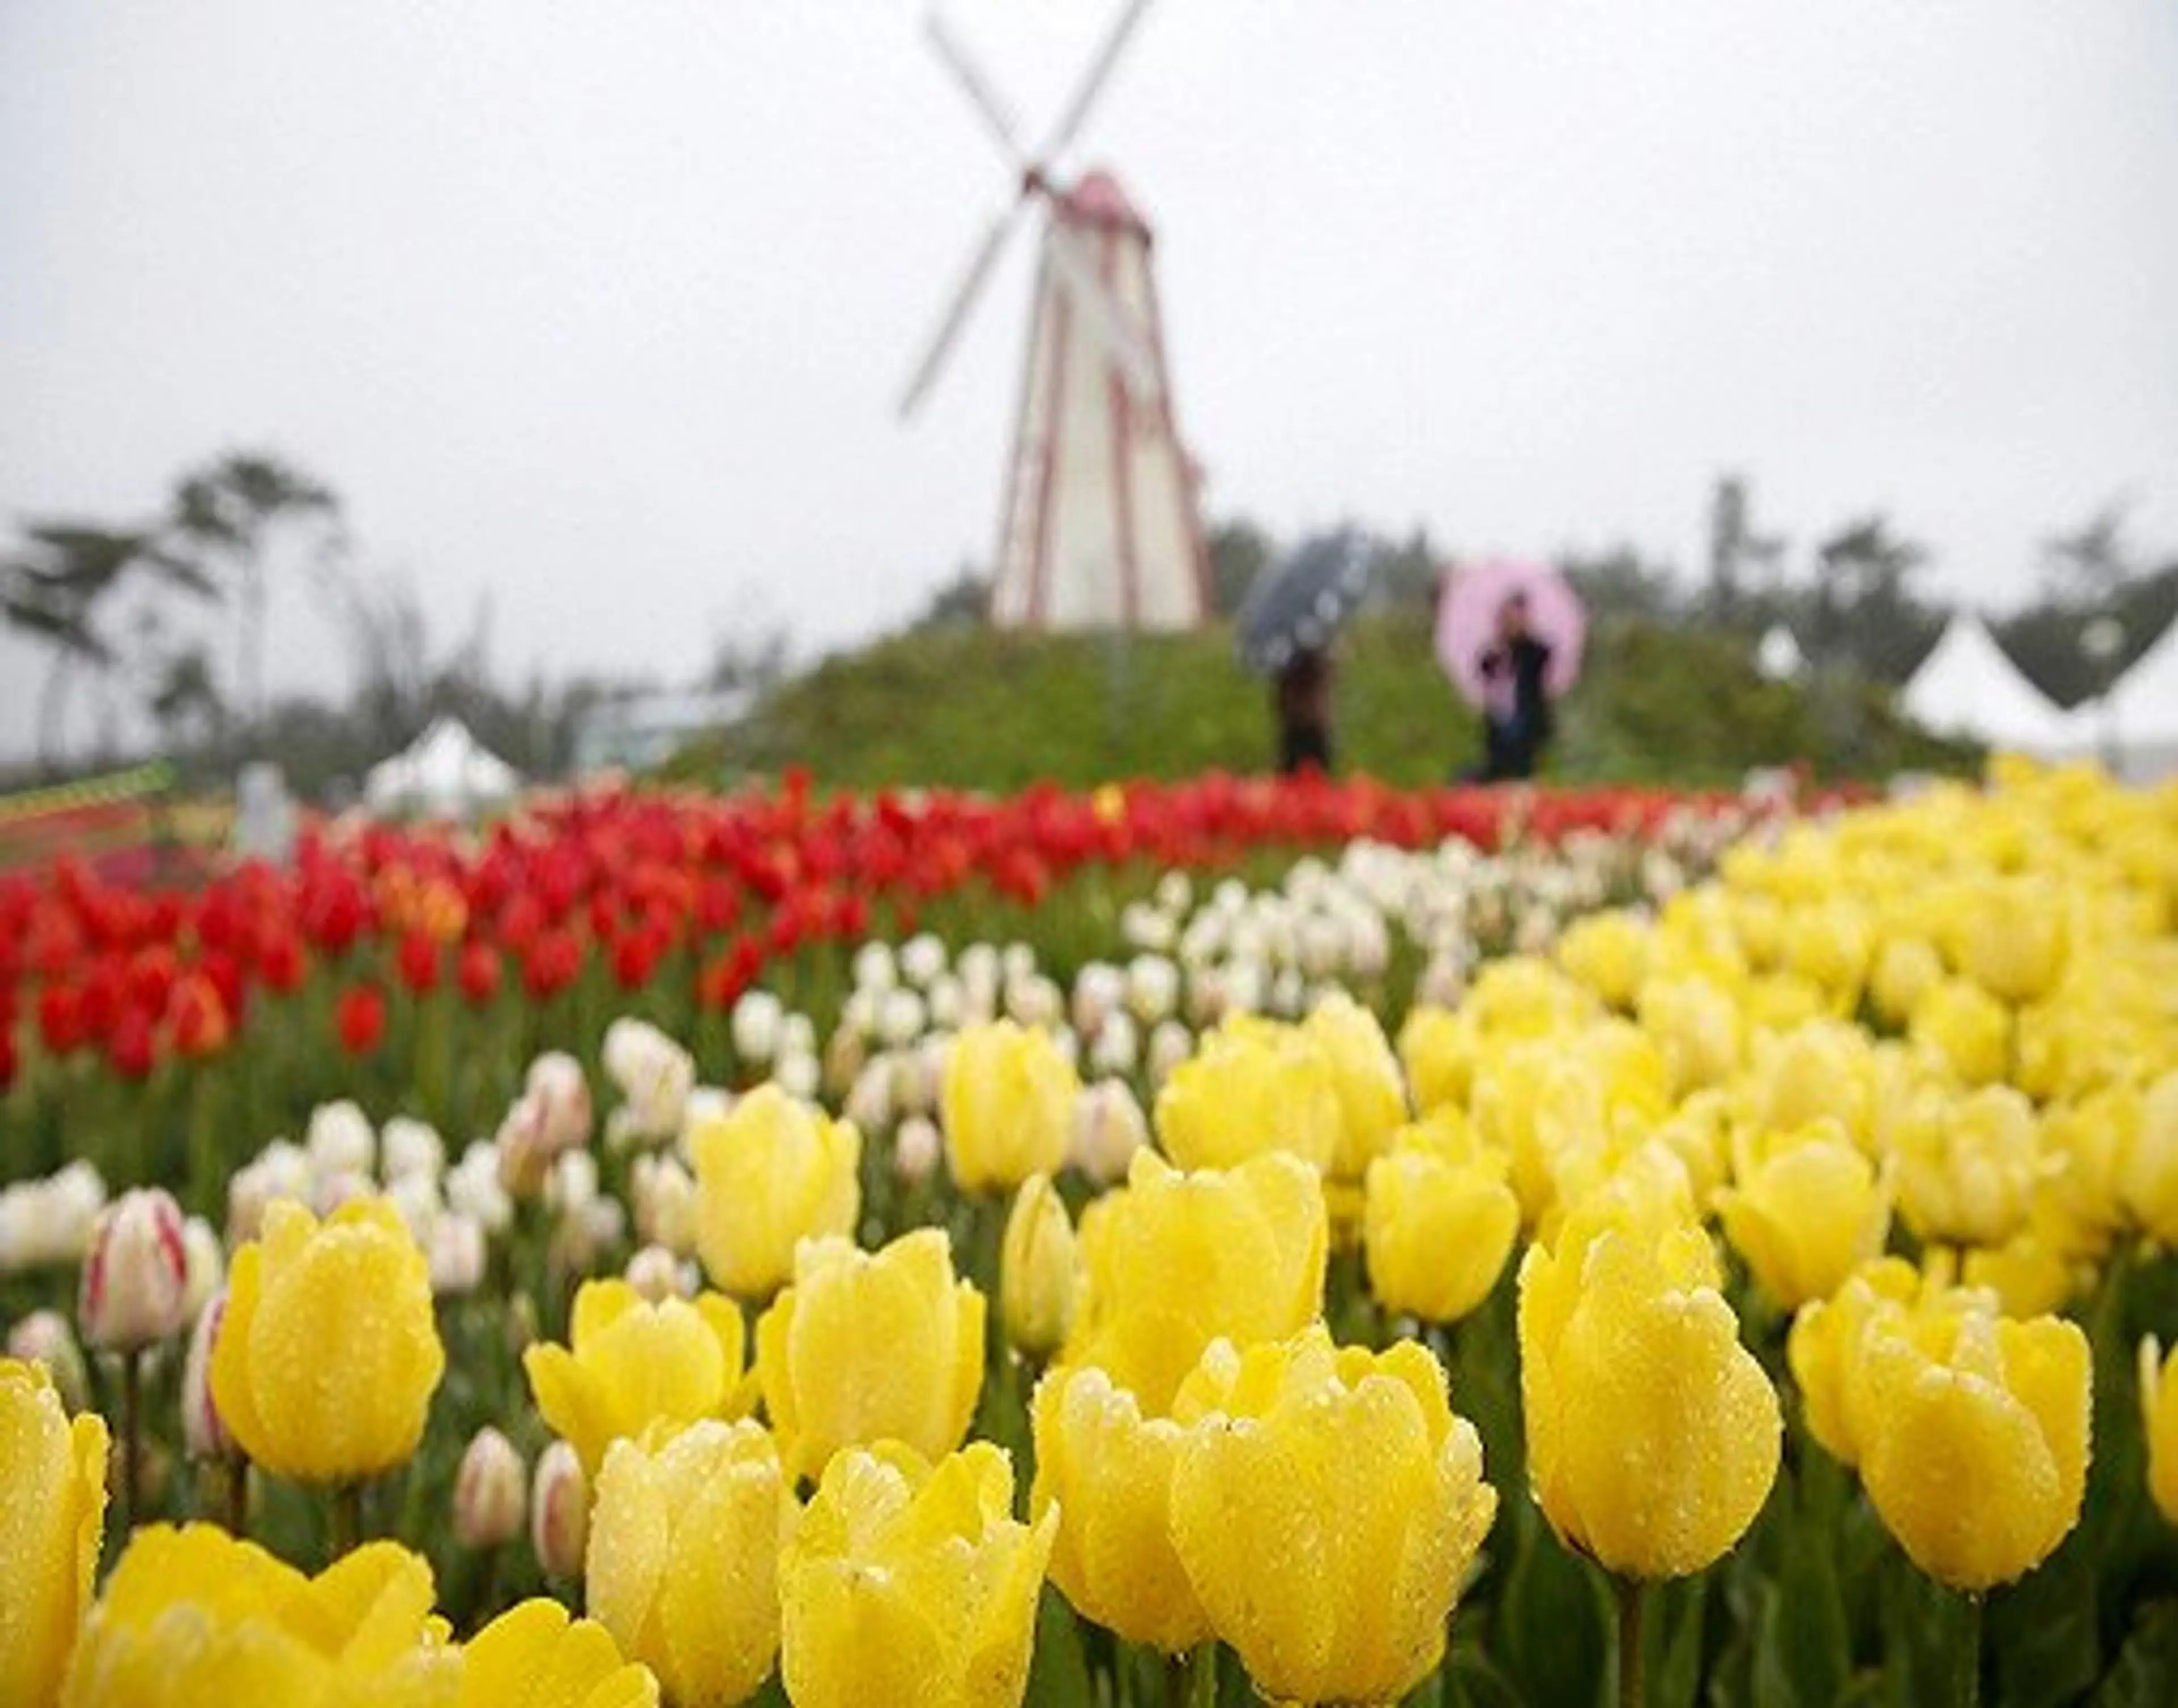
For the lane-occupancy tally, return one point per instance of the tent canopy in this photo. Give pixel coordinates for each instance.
(446, 772)
(1968, 687)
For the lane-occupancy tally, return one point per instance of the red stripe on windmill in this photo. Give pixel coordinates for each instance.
(1100, 527)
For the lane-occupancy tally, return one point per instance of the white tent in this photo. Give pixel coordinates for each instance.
(444, 773)
(1779, 657)
(2136, 727)
(1968, 687)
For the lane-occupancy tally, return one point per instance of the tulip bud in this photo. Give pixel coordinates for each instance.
(135, 1279)
(204, 1430)
(656, 1273)
(556, 1081)
(455, 1252)
(280, 1171)
(869, 1103)
(873, 968)
(665, 1196)
(845, 1053)
(914, 1149)
(207, 1266)
(2159, 1417)
(1170, 1044)
(489, 1492)
(1038, 1274)
(799, 1075)
(474, 1188)
(949, 1002)
(559, 1511)
(340, 1139)
(413, 1147)
(44, 1337)
(1108, 1129)
(755, 1025)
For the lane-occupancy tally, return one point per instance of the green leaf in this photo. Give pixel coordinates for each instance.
(2146, 1675)
(1058, 1673)
(1554, 1627)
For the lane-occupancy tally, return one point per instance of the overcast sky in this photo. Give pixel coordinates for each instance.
(603, 307)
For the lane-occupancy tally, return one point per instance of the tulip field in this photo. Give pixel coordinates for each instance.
(1198, 1243)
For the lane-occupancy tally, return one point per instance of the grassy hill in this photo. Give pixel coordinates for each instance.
(969, 707)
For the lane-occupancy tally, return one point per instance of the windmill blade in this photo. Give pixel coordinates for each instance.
(1114, 327)
(992, 109)
(981, 262)
(1093, 84)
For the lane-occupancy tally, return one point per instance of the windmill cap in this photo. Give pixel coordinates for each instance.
(1097, 200)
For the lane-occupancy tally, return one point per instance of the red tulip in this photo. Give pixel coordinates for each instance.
(418, 961)
(360, 1018)
(477, 973)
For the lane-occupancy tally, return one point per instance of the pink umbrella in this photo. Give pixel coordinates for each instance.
(1468, 605)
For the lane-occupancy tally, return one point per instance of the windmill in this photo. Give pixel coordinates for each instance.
(1099, 527)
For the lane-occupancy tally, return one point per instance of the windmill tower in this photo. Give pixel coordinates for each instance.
(1099, 528)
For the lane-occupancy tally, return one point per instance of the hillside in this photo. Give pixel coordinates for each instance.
(969, 707)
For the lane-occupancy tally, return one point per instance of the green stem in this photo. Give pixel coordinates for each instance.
(1966, 1687)
(132, 1438)
(237, 1497)
(1631, 1592)
(347, 1518)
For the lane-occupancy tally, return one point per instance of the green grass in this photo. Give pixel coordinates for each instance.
(972, 707)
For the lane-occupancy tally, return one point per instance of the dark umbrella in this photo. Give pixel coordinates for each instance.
(1301, 603)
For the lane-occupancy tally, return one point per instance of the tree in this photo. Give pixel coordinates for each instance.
(232, 512)
(1864, 612)
(57, 589)
(964, 602)
(2093, 564)
(1622, 584)
(1737, 552)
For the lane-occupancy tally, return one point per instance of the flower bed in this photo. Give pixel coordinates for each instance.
(1105, 1249)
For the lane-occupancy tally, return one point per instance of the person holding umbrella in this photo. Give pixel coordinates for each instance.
(1510, 637)
(1285, 630)
(1516, 706)
(1300, 700)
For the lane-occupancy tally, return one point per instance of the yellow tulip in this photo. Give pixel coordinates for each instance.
(1524, 996)
(910, 1583)
(51, 1520)
(682, 1565)
(1828, 1336)
(2148, 1178)
(1968, 1401)
(1697, 1027)
(535, 1655)
(1327, 1505)
(1253, 1086)
(194, 1619)
(1609, 953)
(1906, 969)
(1438, 1226)
(1807, 1214)
(1175, 1261)
(1438, 1049)
(1822, 1068)
(2012, 937)
(1106, 1469)
(1007, 1105)
(1966, 1027)
(1970, 1176)
(865, 1346)
(329, 1354)
(1039, 1270)
(1829, 947)
(769, 1172)
(2158, 1419)
(632, 1363)
(1653, 1435)
(1364, 1078)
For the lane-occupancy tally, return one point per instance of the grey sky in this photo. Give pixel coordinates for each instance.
(604, 306)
